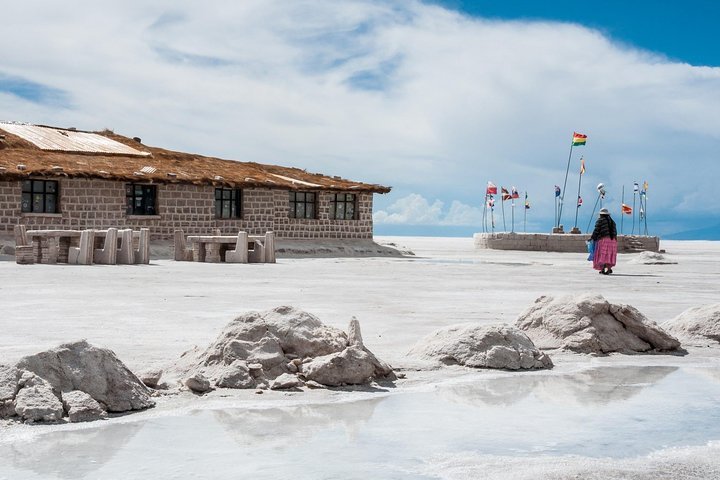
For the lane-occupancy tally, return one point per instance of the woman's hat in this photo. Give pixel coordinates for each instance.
(604, 211)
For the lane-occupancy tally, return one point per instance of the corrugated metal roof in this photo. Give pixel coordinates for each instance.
(54, 139)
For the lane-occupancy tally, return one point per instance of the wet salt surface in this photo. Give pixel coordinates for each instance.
(599, 419)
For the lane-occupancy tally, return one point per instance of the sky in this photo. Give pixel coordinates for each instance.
(433, 98)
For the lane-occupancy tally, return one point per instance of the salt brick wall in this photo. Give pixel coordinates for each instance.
(545, 242)
(101, 204)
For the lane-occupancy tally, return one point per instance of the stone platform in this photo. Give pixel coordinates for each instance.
(559, 242)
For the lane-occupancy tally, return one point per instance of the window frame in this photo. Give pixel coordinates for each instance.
(298, 202)
(45, 195)
(335, 201)
(235, 200)
(142, 210)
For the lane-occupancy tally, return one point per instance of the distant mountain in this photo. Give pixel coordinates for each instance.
(707, 233)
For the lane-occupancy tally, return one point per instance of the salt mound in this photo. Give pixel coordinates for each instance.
(57, 383)
(481, 346)
(258, 347)
(651, 258)
(590, 324)
(703, 321)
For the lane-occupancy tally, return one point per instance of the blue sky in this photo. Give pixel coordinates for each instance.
(431, 98)
(684, 31)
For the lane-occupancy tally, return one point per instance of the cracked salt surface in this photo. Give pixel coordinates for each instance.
(612, 418)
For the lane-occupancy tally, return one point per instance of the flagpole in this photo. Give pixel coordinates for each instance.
(556, 210)
(484, 226)
(502, 205)
(633, 212)
(492, 216)
(525, 209)
(512, 210)
(562, 194)
(622, 214)
(577, 206)
(645, 190)
(593, 211)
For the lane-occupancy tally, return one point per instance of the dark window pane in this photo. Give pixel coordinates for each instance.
(51, 187)
(300, 196)
(226, 194)
(300, 210)
(310, 197)
(138, 190)
(310, 210)
(218, 193)
(37, 202)
(292, 196)
(340, 211)
(27, 186)
(26, 202)
(38, 186)
(233, 209)
(350, 211)
(50, 204)
(128, 190)
(218, 209)
(332, 209)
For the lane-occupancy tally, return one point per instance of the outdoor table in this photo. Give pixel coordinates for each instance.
(211, 248)
(52, 245)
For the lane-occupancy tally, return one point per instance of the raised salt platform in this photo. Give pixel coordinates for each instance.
(559, 242)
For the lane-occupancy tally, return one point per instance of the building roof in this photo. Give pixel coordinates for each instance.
(40, 150)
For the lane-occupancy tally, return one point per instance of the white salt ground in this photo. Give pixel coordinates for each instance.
(150, 314)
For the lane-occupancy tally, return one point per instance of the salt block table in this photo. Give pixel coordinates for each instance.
(52, 245)
(211, 248)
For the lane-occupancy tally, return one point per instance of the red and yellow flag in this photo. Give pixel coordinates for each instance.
(578, 139)
(626, 209)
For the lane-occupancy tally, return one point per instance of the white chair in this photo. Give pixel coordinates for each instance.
(125, 253)
(108, 254)
(240, 254)
(83, 255)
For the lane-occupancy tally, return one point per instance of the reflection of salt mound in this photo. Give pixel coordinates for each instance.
(590, 324)
(481, 346)
(697, 322)
(258, 347)
(651, 258)
(75, 380)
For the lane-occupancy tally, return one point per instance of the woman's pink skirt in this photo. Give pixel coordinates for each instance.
(605, 253)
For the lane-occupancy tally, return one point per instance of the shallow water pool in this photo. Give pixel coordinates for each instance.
(614, 413)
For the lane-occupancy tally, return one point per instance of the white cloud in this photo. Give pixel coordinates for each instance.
(414, 209)
(399, 93)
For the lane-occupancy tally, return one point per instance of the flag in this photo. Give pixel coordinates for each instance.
(578, 139)
(491, 189)
(505, 194)
(515, 193)
(582, 165)
(491, 202)
(557, 191)
(579, 202)
(645, 186)
(527, 202)
(636, 187)
(626, 209)
(642, 213)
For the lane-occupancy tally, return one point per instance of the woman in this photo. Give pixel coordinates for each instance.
(605, 237)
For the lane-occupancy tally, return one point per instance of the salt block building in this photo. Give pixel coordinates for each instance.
(60, 178)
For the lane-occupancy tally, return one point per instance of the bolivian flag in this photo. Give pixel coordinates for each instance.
(579, 139)
(626, 209)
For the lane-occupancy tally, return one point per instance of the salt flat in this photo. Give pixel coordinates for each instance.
(617, 416)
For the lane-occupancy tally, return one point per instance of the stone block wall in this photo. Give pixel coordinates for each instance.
(554, 242)
(93, 203)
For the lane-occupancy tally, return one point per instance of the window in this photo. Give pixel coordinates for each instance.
(140, 199)
(39, 196)
(228, 203)
(302, 204)
(342, 206)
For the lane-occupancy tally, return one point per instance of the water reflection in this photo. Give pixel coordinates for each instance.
(70, 453)
(273, 427)
(597, 386)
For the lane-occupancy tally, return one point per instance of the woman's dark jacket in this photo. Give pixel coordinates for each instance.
(604, 227)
